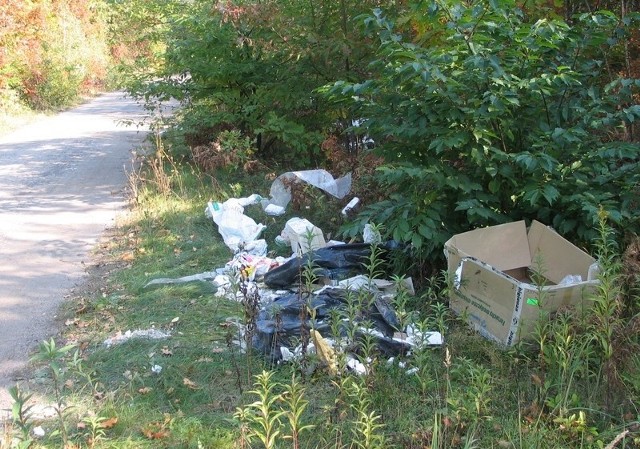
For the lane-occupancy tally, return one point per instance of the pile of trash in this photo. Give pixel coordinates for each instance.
(329, 312)
(288, 307)
(241, 233)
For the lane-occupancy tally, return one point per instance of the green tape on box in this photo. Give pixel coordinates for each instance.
(533, 301)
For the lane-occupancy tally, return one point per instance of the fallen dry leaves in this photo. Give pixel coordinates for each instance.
(109, 423)
(157, 430)
(155, 434)
(190, 384)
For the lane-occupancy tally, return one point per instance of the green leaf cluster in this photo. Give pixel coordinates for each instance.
(256, 67)
(487, 116)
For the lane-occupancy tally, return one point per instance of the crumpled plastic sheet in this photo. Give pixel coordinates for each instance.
(322, 179)
(278, 323)
(237, 229)
(151, 334)
(332, 262)
(206, 276)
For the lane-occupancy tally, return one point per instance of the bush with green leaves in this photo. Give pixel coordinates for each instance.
(485, 116)
(255, 67)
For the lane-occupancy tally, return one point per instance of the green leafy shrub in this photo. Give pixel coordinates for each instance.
(485, 117)
(257, 66)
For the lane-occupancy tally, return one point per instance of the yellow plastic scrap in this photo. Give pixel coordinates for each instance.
(325, 352)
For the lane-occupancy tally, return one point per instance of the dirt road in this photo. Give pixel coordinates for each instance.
(62, 182)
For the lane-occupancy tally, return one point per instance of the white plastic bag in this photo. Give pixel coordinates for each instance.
(281, 194)
(236, 229)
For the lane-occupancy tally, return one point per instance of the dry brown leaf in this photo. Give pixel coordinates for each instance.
(145, 390)
(155, 434)
(109, 423)
(446, 421)
(205, 359)
(189, 383)
(536, 380)
(81, 425)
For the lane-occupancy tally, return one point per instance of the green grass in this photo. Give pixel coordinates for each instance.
(467, 394)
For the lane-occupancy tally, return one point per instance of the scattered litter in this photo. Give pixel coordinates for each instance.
(206, 276)
(286, 355)
(38, 432)
(351, 205)
(356, 366)
(371, 235)
(302, 235)
(417, 338)
(325, 352)
(333, 263)
(403, 365)
(152, 334)
(237, 230)
(281, 192)
(156, 369)
(40, 411)
(255, 248)
(357, 282)
(274, 210)
(240, 341)
(493, 270)
(250, 266)
(278, 323)
(338, 265)
(570, 279)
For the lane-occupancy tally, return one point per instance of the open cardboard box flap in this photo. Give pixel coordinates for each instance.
(489, 268)
(508, 247)
(559, 257)
(504, 246)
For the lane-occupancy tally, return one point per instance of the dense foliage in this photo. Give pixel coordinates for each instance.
(52, 51)
(255, 66)
(483, 112)
(486, 116)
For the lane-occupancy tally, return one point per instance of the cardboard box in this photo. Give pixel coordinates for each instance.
(491, 269)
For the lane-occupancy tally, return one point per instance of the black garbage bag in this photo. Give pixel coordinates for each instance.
(333, 262)
(279, 323)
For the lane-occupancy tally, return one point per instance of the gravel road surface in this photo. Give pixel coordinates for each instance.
(62, 183)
